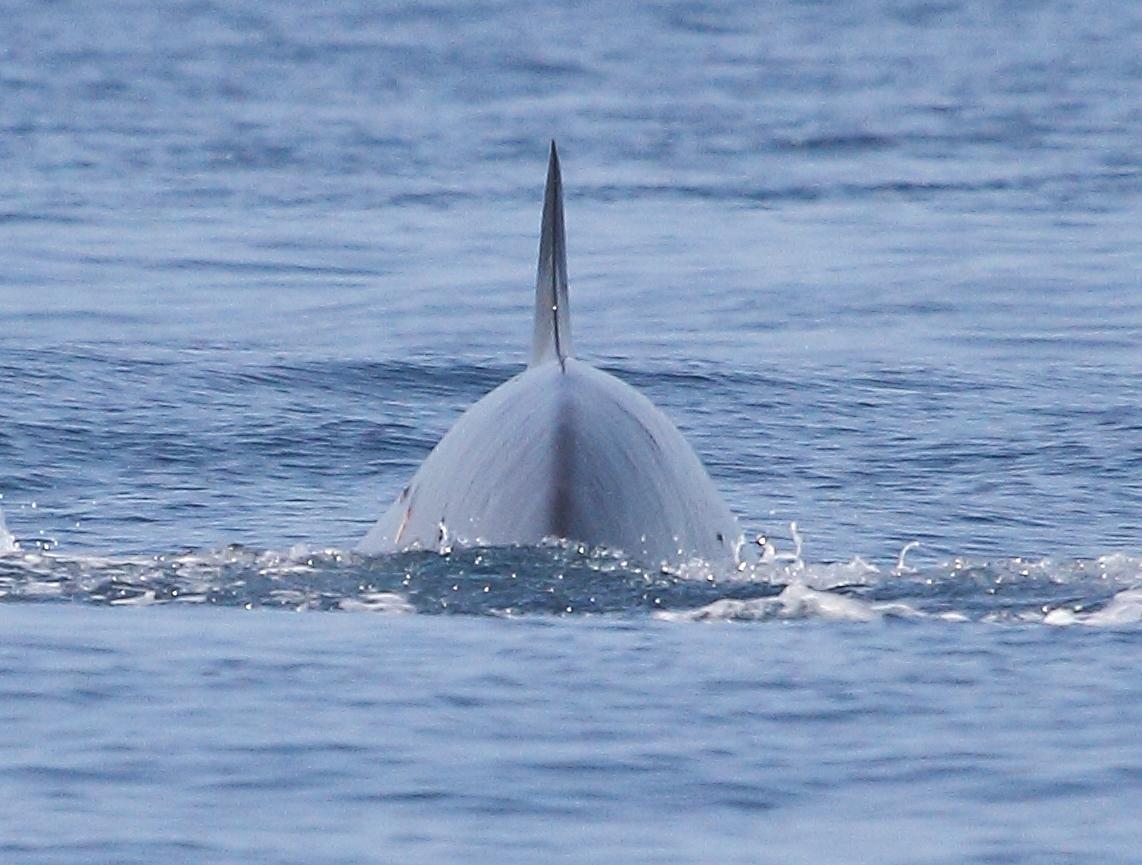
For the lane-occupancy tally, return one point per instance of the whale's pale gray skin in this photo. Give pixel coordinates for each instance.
(562, 450)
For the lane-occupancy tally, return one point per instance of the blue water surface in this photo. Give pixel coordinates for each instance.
(881, 264)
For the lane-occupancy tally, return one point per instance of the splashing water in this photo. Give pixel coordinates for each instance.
(7, 539)
(567, 579)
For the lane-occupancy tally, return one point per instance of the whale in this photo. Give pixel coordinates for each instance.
(562, 451)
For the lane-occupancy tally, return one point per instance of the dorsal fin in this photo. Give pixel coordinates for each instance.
(552, 335)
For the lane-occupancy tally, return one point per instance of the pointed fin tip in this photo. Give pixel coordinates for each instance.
(552, 331)
(554, 181)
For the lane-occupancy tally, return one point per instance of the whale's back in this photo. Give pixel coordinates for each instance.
(563, 450)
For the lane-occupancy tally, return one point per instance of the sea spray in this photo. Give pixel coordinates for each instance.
(7, 539)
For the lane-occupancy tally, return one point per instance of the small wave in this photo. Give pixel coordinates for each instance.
(796, 601)
(1123, 610)
(837, 142)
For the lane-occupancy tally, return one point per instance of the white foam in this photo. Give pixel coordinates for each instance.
(1123, 610)
(378, 602)
(796, 601)
(144, 599)
(856, 572)
(800, 601)
(1120, 568)
(7, 539)
(901, 565)
(785, 568)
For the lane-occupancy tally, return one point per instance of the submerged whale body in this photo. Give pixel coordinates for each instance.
(562, 450)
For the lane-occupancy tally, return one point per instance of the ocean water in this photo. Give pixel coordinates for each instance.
(880, 262)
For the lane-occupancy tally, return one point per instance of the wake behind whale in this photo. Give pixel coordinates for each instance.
(563, 451)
